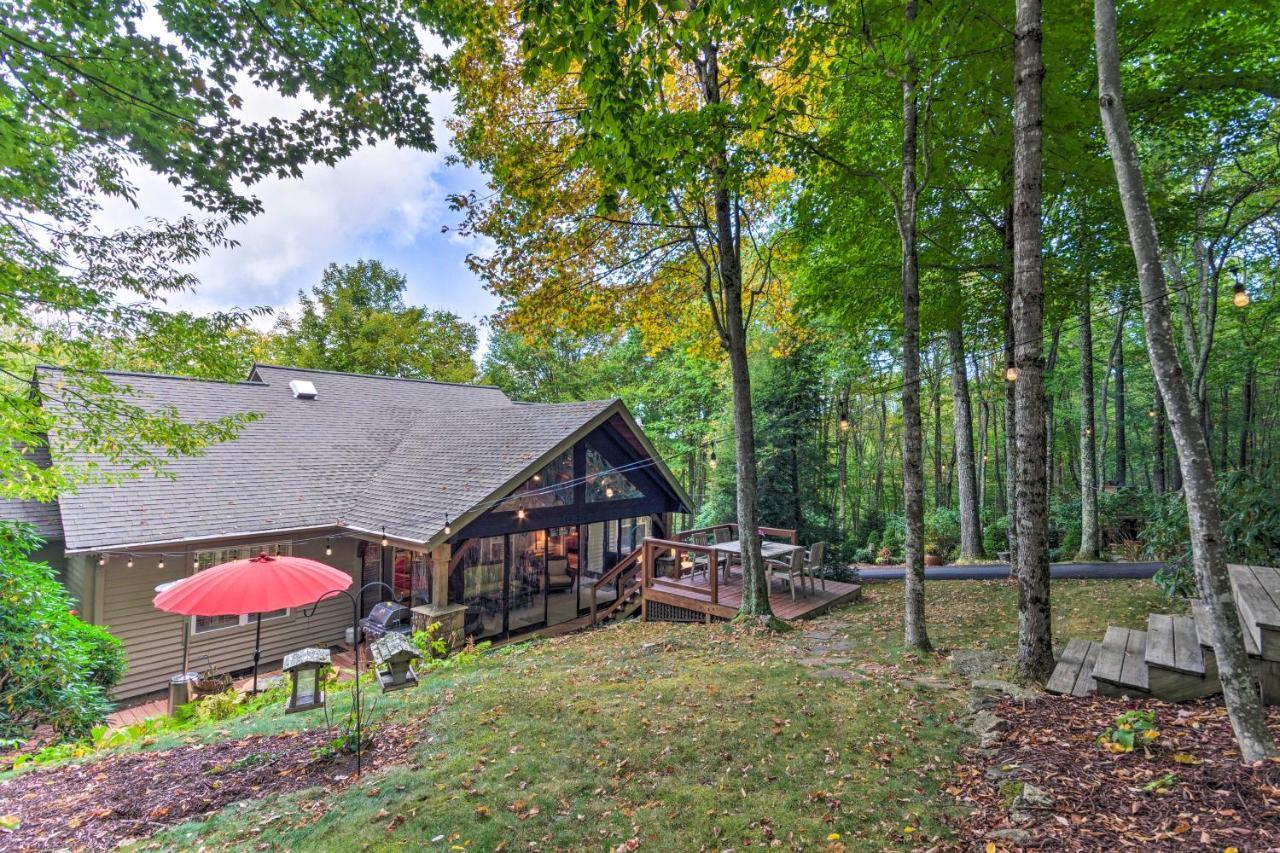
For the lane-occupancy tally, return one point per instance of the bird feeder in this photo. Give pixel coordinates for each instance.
(393, 657)
(304, 668)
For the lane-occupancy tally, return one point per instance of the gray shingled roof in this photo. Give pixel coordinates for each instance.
(368, 452)
(44, 517)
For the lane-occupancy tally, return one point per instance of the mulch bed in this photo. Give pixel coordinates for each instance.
(1214, 801)
(99, 805)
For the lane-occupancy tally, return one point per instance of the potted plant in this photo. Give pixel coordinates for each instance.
(211, 681)
(931, 557)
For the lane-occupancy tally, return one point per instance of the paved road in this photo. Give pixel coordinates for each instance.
(1001, 570)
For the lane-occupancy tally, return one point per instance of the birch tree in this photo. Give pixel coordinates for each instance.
(1244, 704)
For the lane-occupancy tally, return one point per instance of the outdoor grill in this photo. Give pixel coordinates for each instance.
(385, 618)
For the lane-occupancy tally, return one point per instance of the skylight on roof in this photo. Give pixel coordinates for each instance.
(303, 389)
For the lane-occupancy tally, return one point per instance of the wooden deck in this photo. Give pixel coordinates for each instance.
(696, 595)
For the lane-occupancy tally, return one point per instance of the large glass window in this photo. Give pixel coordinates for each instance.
(216, 557)
(410, 577)
(552, 486)
(606, 484)
(476, 580)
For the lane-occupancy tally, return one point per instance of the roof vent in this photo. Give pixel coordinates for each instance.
(302, 389)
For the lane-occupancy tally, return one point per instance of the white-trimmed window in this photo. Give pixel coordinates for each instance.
(218, 556)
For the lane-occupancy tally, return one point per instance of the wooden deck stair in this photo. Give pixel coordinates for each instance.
(1173, 659)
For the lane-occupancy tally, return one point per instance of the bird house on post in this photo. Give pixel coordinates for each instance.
(304, 668)
(393, 656)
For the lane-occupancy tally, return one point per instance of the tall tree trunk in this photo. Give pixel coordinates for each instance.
(1158, 484)
(1246, 417)
(1122, 454)
(1010, 401)
(1223, 432)
(1035, 638)
(1244, 704)
(1050, 363)
(1001, 447)
(1088, 440)
(935, 404)
(842, 462)
(915, 633)
(755, 585)
(880, 445)
(966, 474)
(983, 456)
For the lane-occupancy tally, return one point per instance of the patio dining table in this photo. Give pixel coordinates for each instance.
(769, 550)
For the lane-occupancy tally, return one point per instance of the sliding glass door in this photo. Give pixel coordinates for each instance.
(527, 586)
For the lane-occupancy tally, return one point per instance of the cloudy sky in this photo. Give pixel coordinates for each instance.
(382, 202)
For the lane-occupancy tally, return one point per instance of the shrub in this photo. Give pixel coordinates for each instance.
(894, 534)
(864, 555)
(1250, 530)
(54, 668)
(994, 538)
(942, 531)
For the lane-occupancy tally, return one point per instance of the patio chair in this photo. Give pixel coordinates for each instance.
(790, 569)
(699, 562)
(813, 563)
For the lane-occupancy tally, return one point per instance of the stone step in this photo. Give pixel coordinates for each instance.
(1257, 593)
(1121, 669)
(1073, 674)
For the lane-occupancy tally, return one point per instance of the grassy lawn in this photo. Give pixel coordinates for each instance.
(675, 737)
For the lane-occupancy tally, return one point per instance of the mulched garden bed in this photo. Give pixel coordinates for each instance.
(1212, 801)
(101, 804)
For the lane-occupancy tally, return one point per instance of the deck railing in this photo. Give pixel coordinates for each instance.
(679, 553)
(654, 550)
(786, 533)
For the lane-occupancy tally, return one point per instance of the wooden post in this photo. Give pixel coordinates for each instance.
(713, 570)
(441, 556)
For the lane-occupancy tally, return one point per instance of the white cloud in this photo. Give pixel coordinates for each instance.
(381, 201)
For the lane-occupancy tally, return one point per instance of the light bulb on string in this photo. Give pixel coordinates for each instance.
(1239, 296)
(384, 537)
(448, 528)
(712, 460)
(129, 563)
(160, 563)
(1011, 373)
(844, 419)
(328, 547)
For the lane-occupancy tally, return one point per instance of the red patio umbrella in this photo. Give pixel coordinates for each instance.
(255, 585)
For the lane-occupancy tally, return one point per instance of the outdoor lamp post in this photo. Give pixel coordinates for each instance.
(304, 668)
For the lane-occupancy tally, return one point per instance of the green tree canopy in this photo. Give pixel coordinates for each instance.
(356, 321)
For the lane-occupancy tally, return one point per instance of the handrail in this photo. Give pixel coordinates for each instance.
(652, 546)
(712, 529)
(622, 566)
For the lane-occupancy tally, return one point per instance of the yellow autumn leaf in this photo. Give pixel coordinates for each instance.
(835, 836)
(991, 847)
(1183, 758)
